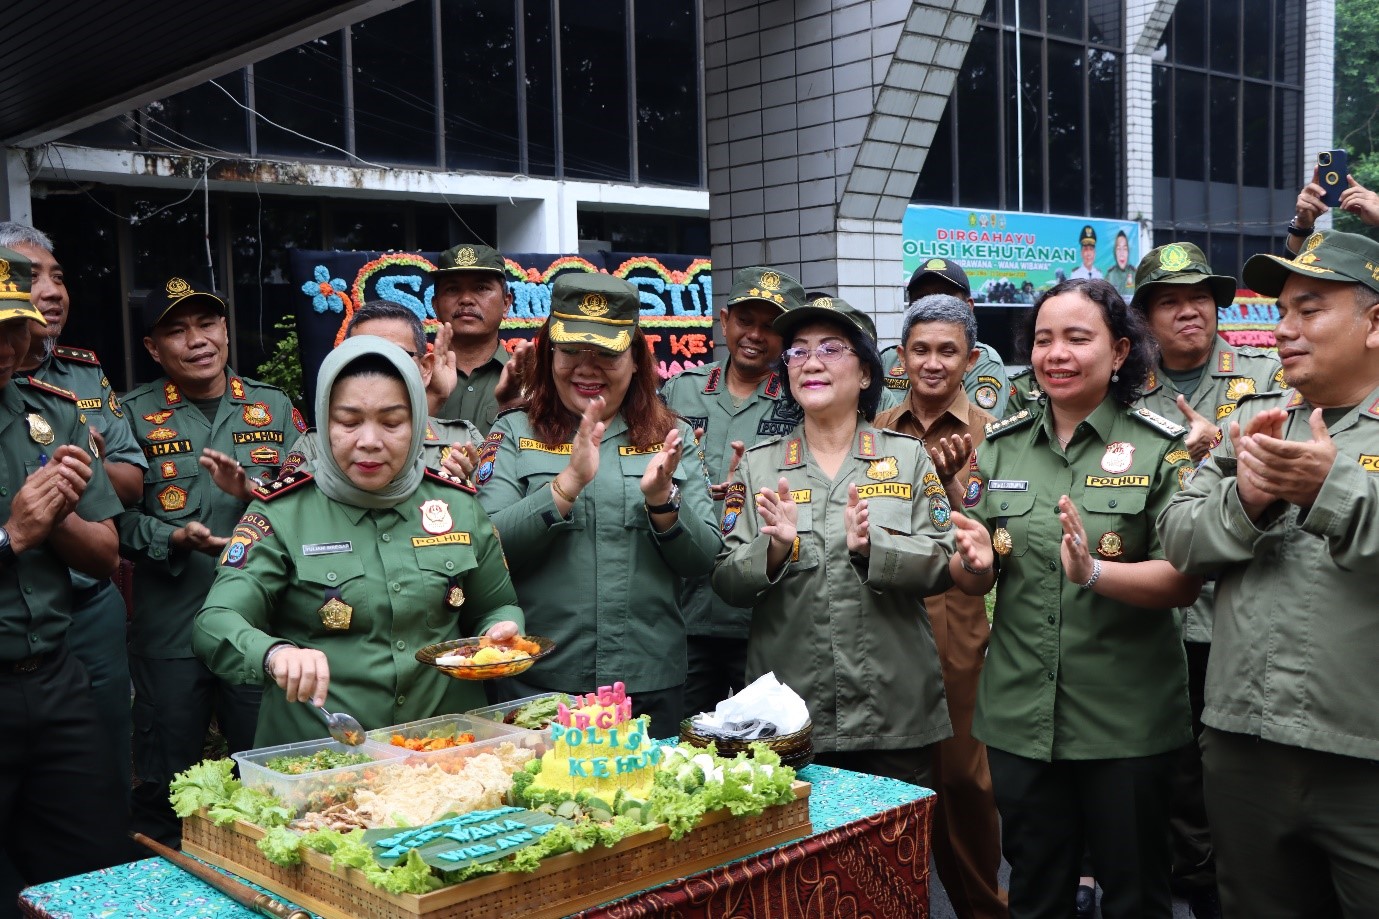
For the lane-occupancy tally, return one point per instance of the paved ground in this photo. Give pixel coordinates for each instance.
(940, 908)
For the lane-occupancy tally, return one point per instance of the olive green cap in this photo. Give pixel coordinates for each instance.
(1327, 255)
(470, 257)
(1179, 263)
(594, 309)
(828, 309)
(16, 279)
(767, 285)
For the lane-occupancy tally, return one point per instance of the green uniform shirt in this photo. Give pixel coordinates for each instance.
(80, 371)
(700, 395)
(1123, 280)
(296, 549)
(253, 425)
(36, 591)
(986, 383)
(850, 636)
(1293, 652)
(1023, 391)
(1071, 674)
(473, 397)
(435, 444)
(601, 583)
(1230, 373)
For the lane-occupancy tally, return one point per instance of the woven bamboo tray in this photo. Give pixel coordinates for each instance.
(562, 885)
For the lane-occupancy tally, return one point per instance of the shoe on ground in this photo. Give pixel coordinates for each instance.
(1084, 902)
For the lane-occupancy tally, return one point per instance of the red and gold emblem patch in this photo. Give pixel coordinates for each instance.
(257, 415)
(172, 498)
(1110, 545)
(298, 422)
(161, 434)
(169, 469)
(158, 417)
(237, 387)
(264, 456)
(170, 394)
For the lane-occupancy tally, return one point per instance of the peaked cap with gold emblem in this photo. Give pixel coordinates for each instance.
(162, 300)
(470, 257)
(1328, 255)
(16, 277)
(767, 285)
(1178, 263)
(594, 309)
(945, 270)
(828, 309)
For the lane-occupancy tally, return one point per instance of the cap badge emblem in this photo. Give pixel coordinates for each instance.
(936, 264)
(178, 288)
(823, 303)
(4, 270)
(770, 280)
(1173, 258)
(593, 304)
(1312, 242)
(466, 257)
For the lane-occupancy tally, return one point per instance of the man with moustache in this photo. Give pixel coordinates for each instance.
(1283, 515)
(1202, 377)
(734, 404)
(203, 429)
(938, 346)
(97, 636)
(471, 298)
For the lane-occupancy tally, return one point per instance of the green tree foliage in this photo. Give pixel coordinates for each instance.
(283, 368)
(1357, 97)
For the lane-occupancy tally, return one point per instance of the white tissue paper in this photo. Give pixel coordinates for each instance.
(767, 699)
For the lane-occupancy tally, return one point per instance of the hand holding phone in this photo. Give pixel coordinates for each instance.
(1332, 167)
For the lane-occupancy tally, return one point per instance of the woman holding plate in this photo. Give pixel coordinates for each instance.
(1083, 698)
(600, 516)
(333, 580)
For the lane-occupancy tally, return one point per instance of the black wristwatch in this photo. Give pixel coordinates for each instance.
(672, 504)
(1295, 230)
(6, 549)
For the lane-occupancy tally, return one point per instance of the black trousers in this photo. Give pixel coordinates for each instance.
(912, 764)
(1194, 864)
(174, 700)
(1296, 831)
(62, 811)
(1114, 809)
(717, 669)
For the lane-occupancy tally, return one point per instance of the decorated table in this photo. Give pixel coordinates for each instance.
(868, 856)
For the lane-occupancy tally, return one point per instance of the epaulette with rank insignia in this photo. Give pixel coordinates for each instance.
(996, 428)
(279, 487)
(40, 385)
(765, 443)
(81, 355)
(439, 476)
(1158, 422)
(507, 411)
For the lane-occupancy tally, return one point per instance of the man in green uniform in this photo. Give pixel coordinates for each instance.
(175, 532)
(450, 445)
(985, 382)
(1201, 377)
(734, 404)
(1284, 516)
(62, 807)
(471, 299)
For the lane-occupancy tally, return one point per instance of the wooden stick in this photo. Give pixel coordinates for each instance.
(241, 893)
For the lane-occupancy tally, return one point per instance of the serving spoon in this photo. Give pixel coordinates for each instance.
(342, 727)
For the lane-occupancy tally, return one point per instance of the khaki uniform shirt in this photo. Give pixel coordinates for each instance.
(253, 425)
(36, 590)
(1230, 373)
(1071, 674)
(295, 549)
(80, 371)
(473, 397)
(700, 395)
(601, 582)
(850, 635)
(1293, 652)
(959, 620)
(440, 436)
(986, 383)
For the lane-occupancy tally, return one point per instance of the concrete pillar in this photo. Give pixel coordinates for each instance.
(818, 117)
(1318, 88)
(15, 202)
(1145, 21)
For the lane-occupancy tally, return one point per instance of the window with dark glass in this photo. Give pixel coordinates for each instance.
(540, 88)
(978, 104)
(1225, 36)
(1223, 118)
(594, 89)
(1190, 125)
(1105, 133)
(1064, 18)
(394, 86)
(667, 91)
(1067, 127)
(479, 67)
(303, 90)
(204, 117)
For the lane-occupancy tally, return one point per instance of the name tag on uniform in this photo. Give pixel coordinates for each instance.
(1369, 462)
(1007, 485)
(327, 548)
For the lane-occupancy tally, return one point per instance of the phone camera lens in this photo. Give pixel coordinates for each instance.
(1324, 159)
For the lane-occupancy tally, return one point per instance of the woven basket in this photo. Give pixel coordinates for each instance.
(795, 750)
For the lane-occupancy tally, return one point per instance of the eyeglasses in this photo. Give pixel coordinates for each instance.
(572, 355)
(828, 352)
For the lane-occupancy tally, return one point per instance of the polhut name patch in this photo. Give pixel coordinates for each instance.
(902, 490)
(445, 539)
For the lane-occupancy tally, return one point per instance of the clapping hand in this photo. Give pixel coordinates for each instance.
(1288, 470)
(1254, 497)
(1202, 434)
(47, 497)
(719, 491)
(227, 473)
(460, 460)
(660, 472)
(779, 515)
(856, 523)
(445, 373)
(516, 375)
(1073, 549)
(197, 537)
(973, 543)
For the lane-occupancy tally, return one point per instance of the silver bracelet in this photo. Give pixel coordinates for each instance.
(272, 652)
(1096, 573)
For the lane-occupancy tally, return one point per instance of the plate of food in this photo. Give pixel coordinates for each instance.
(485, 659)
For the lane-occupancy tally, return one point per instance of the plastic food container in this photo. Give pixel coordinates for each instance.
(500, 712)
(488, 735)
(312, 788)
